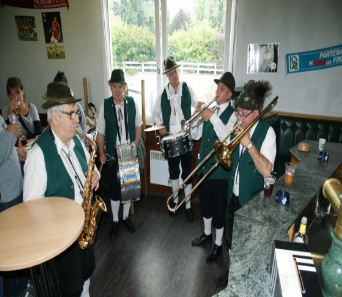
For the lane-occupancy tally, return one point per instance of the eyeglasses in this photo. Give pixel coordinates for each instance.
(72, 114)
(239, 114)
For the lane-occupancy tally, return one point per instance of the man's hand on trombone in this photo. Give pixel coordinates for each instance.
(246, 139)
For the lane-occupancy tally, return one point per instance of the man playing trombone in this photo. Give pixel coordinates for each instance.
(254, 158)
(213, 192)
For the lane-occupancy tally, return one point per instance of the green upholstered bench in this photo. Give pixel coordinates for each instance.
(293, 128)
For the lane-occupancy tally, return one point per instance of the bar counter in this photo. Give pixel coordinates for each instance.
(262, 220)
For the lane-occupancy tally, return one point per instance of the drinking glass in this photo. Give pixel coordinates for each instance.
(290, 170)
(13, 118)
(269, 182)
(23, 140)
(17, 107)
(321, 144)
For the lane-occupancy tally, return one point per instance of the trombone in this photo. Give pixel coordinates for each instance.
(223, 153)
(195, 120)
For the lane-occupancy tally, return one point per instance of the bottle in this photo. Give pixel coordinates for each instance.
(301, 236)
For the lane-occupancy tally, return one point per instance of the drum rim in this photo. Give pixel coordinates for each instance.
(176, 136)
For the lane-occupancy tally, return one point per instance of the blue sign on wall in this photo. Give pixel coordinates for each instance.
(314, 60)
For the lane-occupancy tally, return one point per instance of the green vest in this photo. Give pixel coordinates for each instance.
(111, 132)
(251, 181)
(207, 144)
(185, 105)
(59, 182)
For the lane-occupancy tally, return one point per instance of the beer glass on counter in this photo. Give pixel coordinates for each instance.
(269, 182)
(290, 169)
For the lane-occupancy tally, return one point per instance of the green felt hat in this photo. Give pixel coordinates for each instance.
(228, 80)
(253, 95)
(169, 64)
(57, 94)
(117, 77)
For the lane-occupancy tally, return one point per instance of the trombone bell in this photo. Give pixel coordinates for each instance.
(223, 153)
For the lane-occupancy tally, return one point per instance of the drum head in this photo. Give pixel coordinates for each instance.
(176, 145)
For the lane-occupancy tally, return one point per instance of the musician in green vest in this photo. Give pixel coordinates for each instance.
(119, 123)
(171, 107)
(213, 191)
(254, 157)
(57, 165)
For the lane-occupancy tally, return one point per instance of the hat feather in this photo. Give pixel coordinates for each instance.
(258, 90)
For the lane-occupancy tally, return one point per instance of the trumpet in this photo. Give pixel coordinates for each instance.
(223, 153)
(195, 120)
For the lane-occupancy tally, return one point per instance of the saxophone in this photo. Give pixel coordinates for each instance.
(92, 210)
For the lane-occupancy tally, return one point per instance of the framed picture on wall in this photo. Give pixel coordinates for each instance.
(53, 35)
(26, 26)
(262, 57)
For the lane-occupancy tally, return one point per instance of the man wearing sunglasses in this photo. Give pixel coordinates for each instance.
(254, 157)
(57, 165)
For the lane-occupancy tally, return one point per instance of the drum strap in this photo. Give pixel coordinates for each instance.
(116, 120)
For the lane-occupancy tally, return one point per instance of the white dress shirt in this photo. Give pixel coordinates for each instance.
(175, 98)
(268, 149)
(220, 128)
(35, 177)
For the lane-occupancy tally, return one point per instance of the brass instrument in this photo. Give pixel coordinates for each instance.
(92, 210)
(195, 120)
(332, 190)
(223, 153)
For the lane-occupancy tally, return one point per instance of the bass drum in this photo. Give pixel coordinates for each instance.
(176, 145)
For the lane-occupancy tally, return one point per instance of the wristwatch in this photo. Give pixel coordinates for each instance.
(249, 146)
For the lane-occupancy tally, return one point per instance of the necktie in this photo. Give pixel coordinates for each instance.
(77, 178)
(120, 120)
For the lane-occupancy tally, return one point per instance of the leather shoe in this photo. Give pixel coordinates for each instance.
(189, 214)
(128, 223)
(222, 280)
(215, 252)
(202, 239)
(114, 229)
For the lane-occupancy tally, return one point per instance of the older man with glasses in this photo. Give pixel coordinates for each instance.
(57, 165)
(253, 159)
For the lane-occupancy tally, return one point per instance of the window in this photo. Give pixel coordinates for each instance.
(145, 32)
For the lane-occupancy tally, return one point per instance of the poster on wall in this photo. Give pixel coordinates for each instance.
(262, 57)
(39, 4)
(26, 26)
(53, 35)
(314, 60)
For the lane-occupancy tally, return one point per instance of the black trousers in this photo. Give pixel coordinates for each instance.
(110, 187)
(73, 267)
(186, 163)
(232, 207)
(213, 197)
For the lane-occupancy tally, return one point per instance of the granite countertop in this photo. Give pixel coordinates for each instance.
(262, 220)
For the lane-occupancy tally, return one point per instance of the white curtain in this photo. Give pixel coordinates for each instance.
(107, 57)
